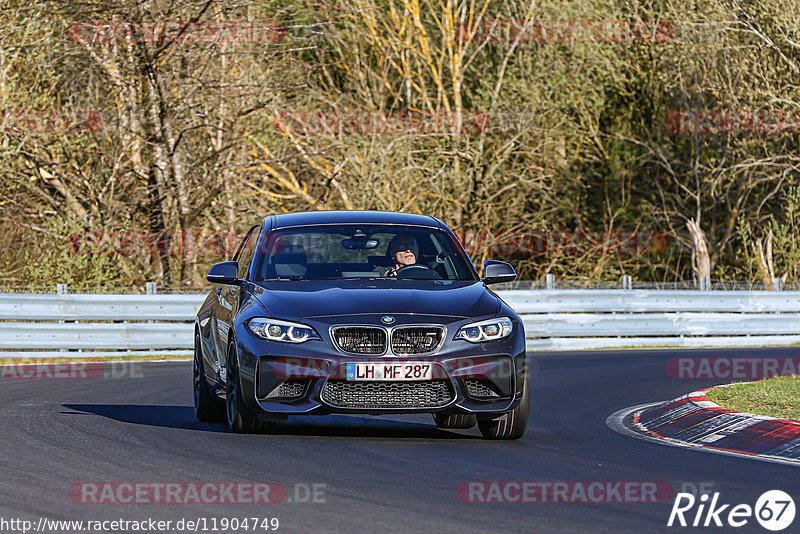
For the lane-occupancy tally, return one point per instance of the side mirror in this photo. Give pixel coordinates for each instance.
(226, 272)
(496, 272)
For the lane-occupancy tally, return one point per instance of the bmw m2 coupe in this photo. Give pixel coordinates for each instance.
(359, 312)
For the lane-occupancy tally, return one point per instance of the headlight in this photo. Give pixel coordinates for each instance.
(275, 330)
(485, 330)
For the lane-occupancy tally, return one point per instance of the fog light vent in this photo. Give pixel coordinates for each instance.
(480, 390)
(288, 389)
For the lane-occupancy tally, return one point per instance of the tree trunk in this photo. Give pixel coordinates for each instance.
(701, 263)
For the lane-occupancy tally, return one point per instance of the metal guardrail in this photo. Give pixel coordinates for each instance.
(649, 301)
(79, 307)
(84, 325)
(96, 325)
(571, 319)
(96, 335)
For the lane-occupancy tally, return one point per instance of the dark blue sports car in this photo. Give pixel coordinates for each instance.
(359, 312)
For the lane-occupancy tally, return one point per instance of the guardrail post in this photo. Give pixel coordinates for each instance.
(704, 283)
(550, 281)
(777, 284)
(61, 289)
(150, 288)
(627, 282)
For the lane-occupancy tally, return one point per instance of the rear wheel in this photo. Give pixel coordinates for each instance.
(455, 421)
(241, 419)
(207, 407)
(512, 424)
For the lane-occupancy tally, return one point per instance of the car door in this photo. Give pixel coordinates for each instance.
(229, 296)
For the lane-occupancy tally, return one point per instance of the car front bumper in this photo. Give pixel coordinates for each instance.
(318, 385)
(479, 378)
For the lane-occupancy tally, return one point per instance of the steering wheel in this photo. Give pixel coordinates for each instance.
(426, 272)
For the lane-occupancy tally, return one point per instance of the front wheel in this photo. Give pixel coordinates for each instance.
(241, 419)
(207, 407)
(512, 424)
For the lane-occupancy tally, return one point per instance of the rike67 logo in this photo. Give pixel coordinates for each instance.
(774, 510)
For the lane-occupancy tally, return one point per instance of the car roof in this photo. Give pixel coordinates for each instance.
(346, 217)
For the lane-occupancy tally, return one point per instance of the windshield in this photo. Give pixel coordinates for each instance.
(360, 251)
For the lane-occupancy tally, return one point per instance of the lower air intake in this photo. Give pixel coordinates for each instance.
(416, 394)
(288, 389)
(478, 389)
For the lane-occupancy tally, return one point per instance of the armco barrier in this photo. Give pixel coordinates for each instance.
(69, 325)
(27, 307)
(89, 325)
(568, 319)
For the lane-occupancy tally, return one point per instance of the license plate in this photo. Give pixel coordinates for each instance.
(389, 371)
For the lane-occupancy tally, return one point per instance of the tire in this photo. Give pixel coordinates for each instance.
(465, 420)
(241, 419)
(207, 407)
(511, 424)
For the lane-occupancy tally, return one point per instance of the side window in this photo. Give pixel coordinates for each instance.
(246, 250)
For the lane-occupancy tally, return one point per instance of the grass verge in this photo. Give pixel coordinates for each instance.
(776, 397)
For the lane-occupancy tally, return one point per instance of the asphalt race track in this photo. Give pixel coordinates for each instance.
(373, 474)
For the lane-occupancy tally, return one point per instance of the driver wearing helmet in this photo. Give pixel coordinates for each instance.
(402, 251)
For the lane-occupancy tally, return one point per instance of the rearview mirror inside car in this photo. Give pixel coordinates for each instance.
(360, 244)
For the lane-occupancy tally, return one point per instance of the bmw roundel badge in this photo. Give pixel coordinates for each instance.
(387, 319)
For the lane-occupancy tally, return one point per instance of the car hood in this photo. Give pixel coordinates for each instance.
(298, 300)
